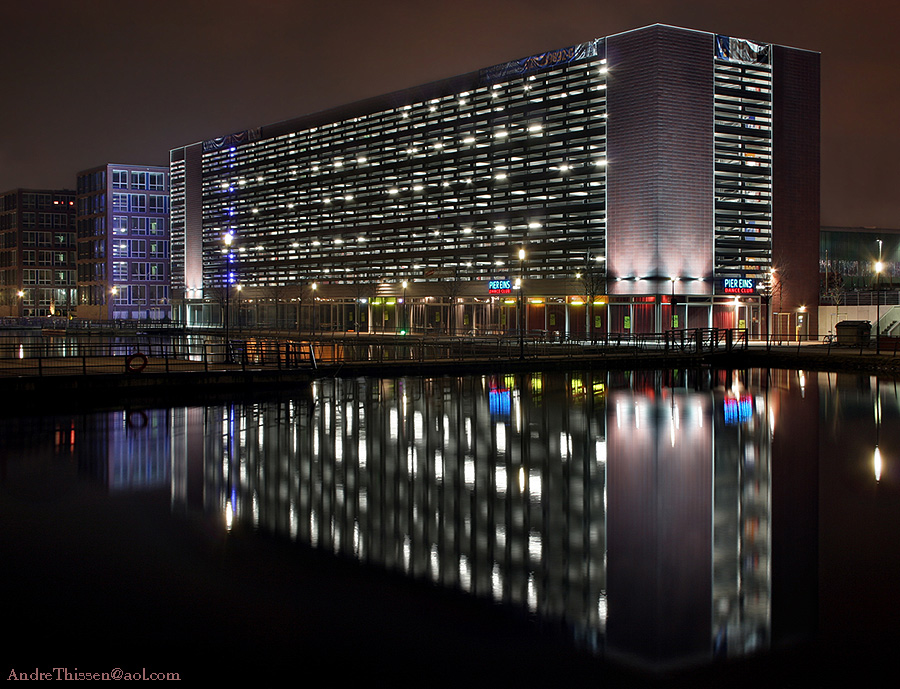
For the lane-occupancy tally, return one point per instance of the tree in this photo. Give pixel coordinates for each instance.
(450, 287)
(592, 284)
(364, 290)
(277, 294)
(303, 291)
(833, 287)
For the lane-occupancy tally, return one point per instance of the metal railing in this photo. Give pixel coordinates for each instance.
(71, 355)
(37, 355)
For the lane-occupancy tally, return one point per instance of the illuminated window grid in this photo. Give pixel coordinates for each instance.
(396, 194)
(743, 170)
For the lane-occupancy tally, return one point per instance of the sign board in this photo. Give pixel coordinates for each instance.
(738, 286)
(500, 287)
(627, 322)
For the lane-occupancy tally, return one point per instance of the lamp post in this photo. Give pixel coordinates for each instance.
(113, 293)
(876, 459)
(405, 324)
(879, 266)
(227, 239)
(672, 302)
(522, 303)
(238, 319)
(770, 289)
(315, 286)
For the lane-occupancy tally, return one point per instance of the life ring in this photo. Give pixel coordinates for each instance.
(136, 419)
(136, 362)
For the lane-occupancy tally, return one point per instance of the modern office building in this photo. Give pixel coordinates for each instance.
(37, 252)
(123, 242)
(658, 178)
(859, 274)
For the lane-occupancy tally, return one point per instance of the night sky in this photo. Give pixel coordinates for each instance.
(102, 81)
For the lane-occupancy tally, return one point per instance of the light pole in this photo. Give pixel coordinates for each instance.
(405, 324)
(113, 293)
(227, 239)
(879, 266)
(770, 290)
(672, 302)
(876, 458)
(238, 319)
(522, 303)
(315, 286)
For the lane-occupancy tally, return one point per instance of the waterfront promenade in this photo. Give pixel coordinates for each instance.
(136, 370)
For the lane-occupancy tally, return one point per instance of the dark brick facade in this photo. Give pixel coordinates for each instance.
(796, 181)
(660, 143)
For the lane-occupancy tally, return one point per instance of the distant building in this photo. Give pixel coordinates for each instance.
(848, 257)
(655, 179)
(37, 252)
(123, 242)
(852, 288)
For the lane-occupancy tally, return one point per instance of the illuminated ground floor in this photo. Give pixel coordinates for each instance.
(537, 316)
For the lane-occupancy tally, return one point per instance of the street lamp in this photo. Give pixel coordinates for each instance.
(879, 266)
(238, 318)
(227, 239)
(405, 325)
(522, 303)
(769, 293)
(672, 302)
(113, 292)
(876, 459)
(315, 286)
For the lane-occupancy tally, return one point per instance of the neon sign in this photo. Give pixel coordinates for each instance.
(738, 411)
(739, 286)
(500, 287)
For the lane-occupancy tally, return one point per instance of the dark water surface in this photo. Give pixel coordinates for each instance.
(682, 528)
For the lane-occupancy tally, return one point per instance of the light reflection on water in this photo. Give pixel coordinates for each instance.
(664, 517)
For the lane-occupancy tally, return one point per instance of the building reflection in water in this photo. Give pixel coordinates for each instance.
(125, 450)
(633, 510)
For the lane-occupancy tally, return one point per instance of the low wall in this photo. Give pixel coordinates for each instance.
(829, 315)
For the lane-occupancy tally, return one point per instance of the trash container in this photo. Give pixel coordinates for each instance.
(853, 332)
